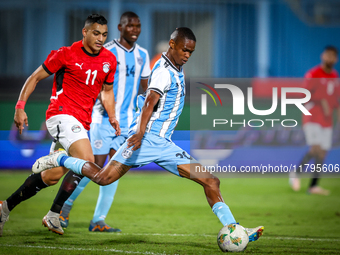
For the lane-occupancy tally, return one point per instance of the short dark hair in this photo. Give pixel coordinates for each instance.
(183, 32)
(95, 18)
(128, 15)
(331, 48)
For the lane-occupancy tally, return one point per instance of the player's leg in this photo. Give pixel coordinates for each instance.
(82, 149)
(119, 164)
(72, 136)
(101, 136)
(179, 162)
(211, 186)
(325, 144)
(311, 135)
(102, 176)
(104, 202)
(31, 186)
(66, 209)
(34, 183)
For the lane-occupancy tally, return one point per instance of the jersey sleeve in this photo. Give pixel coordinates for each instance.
(111, 75)
(160, 80)
(146, 69)
(54, 61)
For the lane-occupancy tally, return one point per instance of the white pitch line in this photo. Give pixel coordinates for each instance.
(301, 238)
(158, 234)
(81, 249)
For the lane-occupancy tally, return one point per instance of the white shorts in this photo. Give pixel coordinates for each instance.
(316, 134)
(65, 129)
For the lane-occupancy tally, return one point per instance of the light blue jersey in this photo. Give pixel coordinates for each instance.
(169, 82)
(132, 66)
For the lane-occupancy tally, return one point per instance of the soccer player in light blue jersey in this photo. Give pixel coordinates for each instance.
(150, 134)
(133, 70)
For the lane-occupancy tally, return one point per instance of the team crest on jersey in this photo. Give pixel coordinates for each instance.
(76, 129)
(140, 61)
(127, 153)
(106, 67)
(98, 144)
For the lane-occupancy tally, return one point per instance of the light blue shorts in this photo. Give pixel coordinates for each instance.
(155, 149)
(103, 138)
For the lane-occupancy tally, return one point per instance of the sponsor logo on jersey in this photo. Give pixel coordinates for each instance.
(80, 65)
(106, 67)
(140, 61)
(98, 144)
(127, 153)
(76, 129)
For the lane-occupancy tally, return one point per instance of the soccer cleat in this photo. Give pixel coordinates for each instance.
(254, 233)
(65, 215)
(48, 161)
(101, 226)
(318, 191)
(4, 215)
(51, 221)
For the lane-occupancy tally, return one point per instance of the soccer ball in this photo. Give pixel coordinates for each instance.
(232, 237)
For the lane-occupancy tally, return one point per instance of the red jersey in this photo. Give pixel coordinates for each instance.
(78, 79)
(321, 85)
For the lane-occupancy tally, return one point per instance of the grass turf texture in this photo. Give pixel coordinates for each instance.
(160, 213)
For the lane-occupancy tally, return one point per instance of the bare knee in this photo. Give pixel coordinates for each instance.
(52, 176)
(102, 180)
(89, 158)
(212, 183)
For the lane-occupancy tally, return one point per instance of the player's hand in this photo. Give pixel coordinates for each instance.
(325, 107)
(135, 141)
(114, 123)
(20, 118)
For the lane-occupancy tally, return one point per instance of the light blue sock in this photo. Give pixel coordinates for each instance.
(82, 184)
(105, 199)
(223, 213)
(73, 164)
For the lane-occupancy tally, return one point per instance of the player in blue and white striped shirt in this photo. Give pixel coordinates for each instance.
(149, 136)
(168, 82)
(133, 69)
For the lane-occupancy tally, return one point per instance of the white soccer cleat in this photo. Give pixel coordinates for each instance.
(318, 191)
(254, 233)
(48, 161)
(4, 215)
(51, 221)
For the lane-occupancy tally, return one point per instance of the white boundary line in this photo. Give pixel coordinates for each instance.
(156, 234)
(203, 235)
(81, 249)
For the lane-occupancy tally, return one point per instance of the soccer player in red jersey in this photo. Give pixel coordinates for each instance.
(80, 71)
(323, 84)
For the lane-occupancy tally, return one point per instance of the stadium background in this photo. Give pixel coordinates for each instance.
(235, 39)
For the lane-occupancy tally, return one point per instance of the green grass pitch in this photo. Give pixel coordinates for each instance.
(160, 213)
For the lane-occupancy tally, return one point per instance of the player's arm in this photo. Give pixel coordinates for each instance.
(20, 116)
(144, 84)
(145, 73)
(151, 100)
(108, 101)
